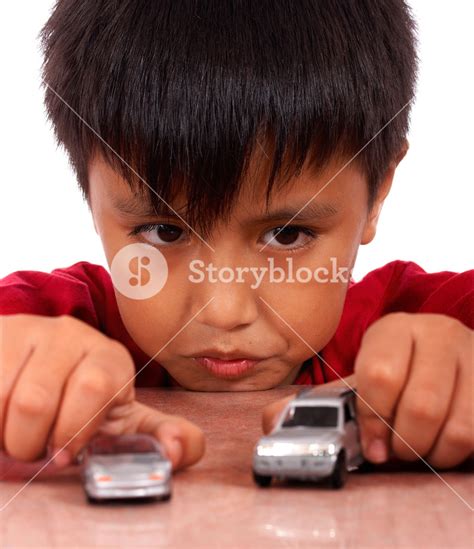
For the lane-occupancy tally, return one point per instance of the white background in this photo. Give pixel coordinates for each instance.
(427, 218)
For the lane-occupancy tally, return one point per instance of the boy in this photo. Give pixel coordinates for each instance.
(233, 137)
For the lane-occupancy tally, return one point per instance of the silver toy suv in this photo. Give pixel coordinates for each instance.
(315, 437)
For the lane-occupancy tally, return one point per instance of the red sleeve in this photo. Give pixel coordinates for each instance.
(84, 291)
(398, 286)
(48, 294)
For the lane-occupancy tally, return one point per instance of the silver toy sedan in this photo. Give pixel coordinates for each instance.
(125, 466)
(315, 437)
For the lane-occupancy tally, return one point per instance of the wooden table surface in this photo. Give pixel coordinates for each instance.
(216, 504)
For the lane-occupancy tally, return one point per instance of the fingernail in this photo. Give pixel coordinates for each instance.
(377, 450)
(61, 457)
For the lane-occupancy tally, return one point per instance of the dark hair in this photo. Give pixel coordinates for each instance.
(184, 90)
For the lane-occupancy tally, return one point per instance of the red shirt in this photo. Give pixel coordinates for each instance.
(85, 291)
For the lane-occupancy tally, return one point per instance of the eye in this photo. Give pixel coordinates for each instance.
(289, 237)
(159, 234)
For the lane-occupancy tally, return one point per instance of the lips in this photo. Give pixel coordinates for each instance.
(227, 368)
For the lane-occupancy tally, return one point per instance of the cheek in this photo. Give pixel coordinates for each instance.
(322, 313)
(313, 308)
(152, 322)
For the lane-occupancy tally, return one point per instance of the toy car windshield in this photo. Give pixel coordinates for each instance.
(311, 416)
(125, 444)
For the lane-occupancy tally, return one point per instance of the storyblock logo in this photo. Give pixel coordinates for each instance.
(139, 271)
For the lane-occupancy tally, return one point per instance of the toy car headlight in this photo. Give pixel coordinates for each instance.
(322, 450)
(101, 477)
(157, 475)
(265, 449)
(278, 449)
(160, 473)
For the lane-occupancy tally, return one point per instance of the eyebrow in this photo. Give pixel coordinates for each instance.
(141, 207)
(303, 212)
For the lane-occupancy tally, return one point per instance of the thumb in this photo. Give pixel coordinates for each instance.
(182, 440)
(374, 433)
(272, 411)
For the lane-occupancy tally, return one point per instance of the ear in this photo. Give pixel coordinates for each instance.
(370, 227)
(89, 205)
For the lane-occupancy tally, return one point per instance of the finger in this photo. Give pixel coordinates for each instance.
(91, 390)
(456, 440)
(272, 411)
(183, 441)
(426, 397)
(14, 469)
(13, 358)
(381, 369)
(35, 398)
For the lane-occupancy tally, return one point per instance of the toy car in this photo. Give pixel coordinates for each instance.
(125, 466)
(316, 437)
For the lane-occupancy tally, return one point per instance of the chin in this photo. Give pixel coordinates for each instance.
(224, 385)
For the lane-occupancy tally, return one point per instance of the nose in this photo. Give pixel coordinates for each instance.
(232, 303)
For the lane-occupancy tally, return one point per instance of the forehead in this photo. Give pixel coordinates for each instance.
(318, 192)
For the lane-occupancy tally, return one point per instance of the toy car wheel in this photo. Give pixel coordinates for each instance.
(166, 497)
(365, 467)
(92, 500)
(262, 480)
(339, 475)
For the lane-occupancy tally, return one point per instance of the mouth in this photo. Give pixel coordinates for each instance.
(228, 368)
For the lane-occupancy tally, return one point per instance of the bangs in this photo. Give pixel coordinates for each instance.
(183, 93)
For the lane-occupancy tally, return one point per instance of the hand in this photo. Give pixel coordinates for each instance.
(58, 376)
(416, 372)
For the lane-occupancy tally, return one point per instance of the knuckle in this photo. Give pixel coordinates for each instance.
(438, 328)
(16, 318)
(398, 317)
(96, 382)
(452, 326)
(34, 401)
(59, 330)
(124, 358)
(379, 373)
(459, 435)
(390, 319)
(10, 326)
(64, 323)
(425, 407)
(116, 347)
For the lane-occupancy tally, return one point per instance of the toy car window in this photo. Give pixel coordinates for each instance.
(143, 458)
(132, 444)
(311, 416)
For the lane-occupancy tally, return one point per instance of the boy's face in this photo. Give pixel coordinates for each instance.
(238, 322)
